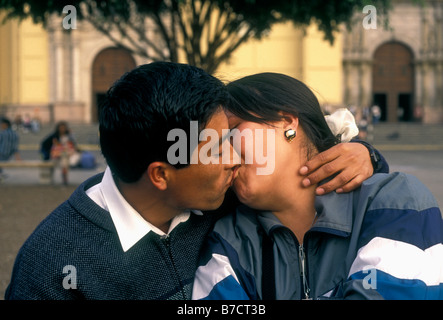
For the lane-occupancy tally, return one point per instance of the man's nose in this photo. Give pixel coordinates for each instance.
(236, 157)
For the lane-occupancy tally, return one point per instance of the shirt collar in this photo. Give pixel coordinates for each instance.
(130, 225)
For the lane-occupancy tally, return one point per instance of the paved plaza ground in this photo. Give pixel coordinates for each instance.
(24, 203)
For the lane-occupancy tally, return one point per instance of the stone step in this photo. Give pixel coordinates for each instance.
(407, 133)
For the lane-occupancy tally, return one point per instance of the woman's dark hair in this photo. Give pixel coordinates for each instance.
(261, 98)
(145, 104)
(57, 129)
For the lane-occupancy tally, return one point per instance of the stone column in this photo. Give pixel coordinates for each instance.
(418, 89)
(366, 83)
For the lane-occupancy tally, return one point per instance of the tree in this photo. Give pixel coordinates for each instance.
(204, 33)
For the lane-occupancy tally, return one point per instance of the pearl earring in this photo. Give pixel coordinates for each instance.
(290, 134)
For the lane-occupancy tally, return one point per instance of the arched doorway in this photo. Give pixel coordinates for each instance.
(393, 82)
(108, 66)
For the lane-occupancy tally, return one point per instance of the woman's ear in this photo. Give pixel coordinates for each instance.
(289, 121)
(158, 174)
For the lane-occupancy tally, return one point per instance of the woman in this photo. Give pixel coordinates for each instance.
(383, 240)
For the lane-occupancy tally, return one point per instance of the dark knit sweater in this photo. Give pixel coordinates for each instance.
(80, 234)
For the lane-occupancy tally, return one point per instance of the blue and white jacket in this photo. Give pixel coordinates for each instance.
(383, 240)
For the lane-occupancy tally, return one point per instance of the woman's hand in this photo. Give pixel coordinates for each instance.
(350, 162)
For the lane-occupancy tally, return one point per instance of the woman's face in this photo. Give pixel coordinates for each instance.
(267, 160)
(62, 129)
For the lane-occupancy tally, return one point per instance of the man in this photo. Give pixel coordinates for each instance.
(135, 232)
(8, 142)
(134, 244)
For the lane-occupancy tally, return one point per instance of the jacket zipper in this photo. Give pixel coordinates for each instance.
(302, 266)
(167, 242)
(303, 272)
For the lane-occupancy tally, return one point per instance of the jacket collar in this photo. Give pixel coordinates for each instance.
(334, 212)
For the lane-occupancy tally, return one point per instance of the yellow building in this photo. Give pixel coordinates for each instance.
(54, 74)
(24, 69)
(57, 74)
(302, 55)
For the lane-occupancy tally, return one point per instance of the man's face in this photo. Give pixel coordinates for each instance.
(203, 186)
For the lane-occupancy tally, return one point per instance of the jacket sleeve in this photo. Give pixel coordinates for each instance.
(220, 275)
(379, 163)
(400, 253)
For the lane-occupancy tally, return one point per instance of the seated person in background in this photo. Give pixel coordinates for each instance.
(61, 147)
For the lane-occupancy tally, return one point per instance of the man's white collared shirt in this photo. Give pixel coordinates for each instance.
(130, 225)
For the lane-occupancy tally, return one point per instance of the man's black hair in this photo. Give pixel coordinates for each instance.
(5, 121)
(145, 104)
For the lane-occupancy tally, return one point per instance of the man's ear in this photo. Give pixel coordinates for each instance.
(158, 174)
